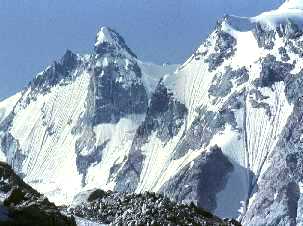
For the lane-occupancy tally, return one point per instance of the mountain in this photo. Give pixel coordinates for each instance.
(78, 117)
(223, 130)
(21, 205)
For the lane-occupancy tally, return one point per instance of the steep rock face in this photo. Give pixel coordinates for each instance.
(22, 205)
(202, 180)
(164, 118)
(119, 90)
(217, 132)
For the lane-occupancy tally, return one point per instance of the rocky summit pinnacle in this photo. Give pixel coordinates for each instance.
(105, 34)
(108, 40)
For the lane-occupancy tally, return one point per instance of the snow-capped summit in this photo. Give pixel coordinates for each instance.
(108, 40)
(292, 4)
(291, 10)
(288, 14)
(105, 34)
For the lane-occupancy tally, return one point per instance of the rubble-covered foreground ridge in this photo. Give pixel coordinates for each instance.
(141, 209)
(21, 205)
(223, 130)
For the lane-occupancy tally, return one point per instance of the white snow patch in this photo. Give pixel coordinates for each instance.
(292, 4)
(104, 35)
(105, 62)
(119, 137)
(7, 105)
(153, 73)
(158, 166)
(262, 129)
(230, 200)
(248, 51)
(190, 86)
(85, 222)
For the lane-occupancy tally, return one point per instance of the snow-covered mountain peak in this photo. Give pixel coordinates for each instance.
(109, 41)
(292, 4)
(105, 34)
(291, 10)
(288, 15)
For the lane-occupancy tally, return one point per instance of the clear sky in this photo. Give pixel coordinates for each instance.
(36, 32)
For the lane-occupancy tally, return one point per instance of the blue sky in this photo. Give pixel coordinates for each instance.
(36, 32)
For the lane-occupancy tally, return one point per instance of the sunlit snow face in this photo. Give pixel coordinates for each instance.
(291, 10)
(292, 4)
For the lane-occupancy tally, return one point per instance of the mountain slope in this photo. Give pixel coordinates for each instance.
(240, 81)
(20, 204)
(218, 131)
(78, 108)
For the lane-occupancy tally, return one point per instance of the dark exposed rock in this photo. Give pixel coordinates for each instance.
(221, 86)
(202, 180)
(258, 100)
(15, 197)
(24, 206)
(277, 202)
(201, 131)
(224, 49)
(290, 30)
(55, 73)
(265, 37)
(284, 55)
(85, 161)
(115, 99)
(206, 125)
(97, 194)
(295, 47)
(273, 71)
(110, 47)
(143, 209)
(294, 87)
(129, 176)
(69, 60)
(8, 142)
(222, 83)
(165, 116)
(265, 106)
